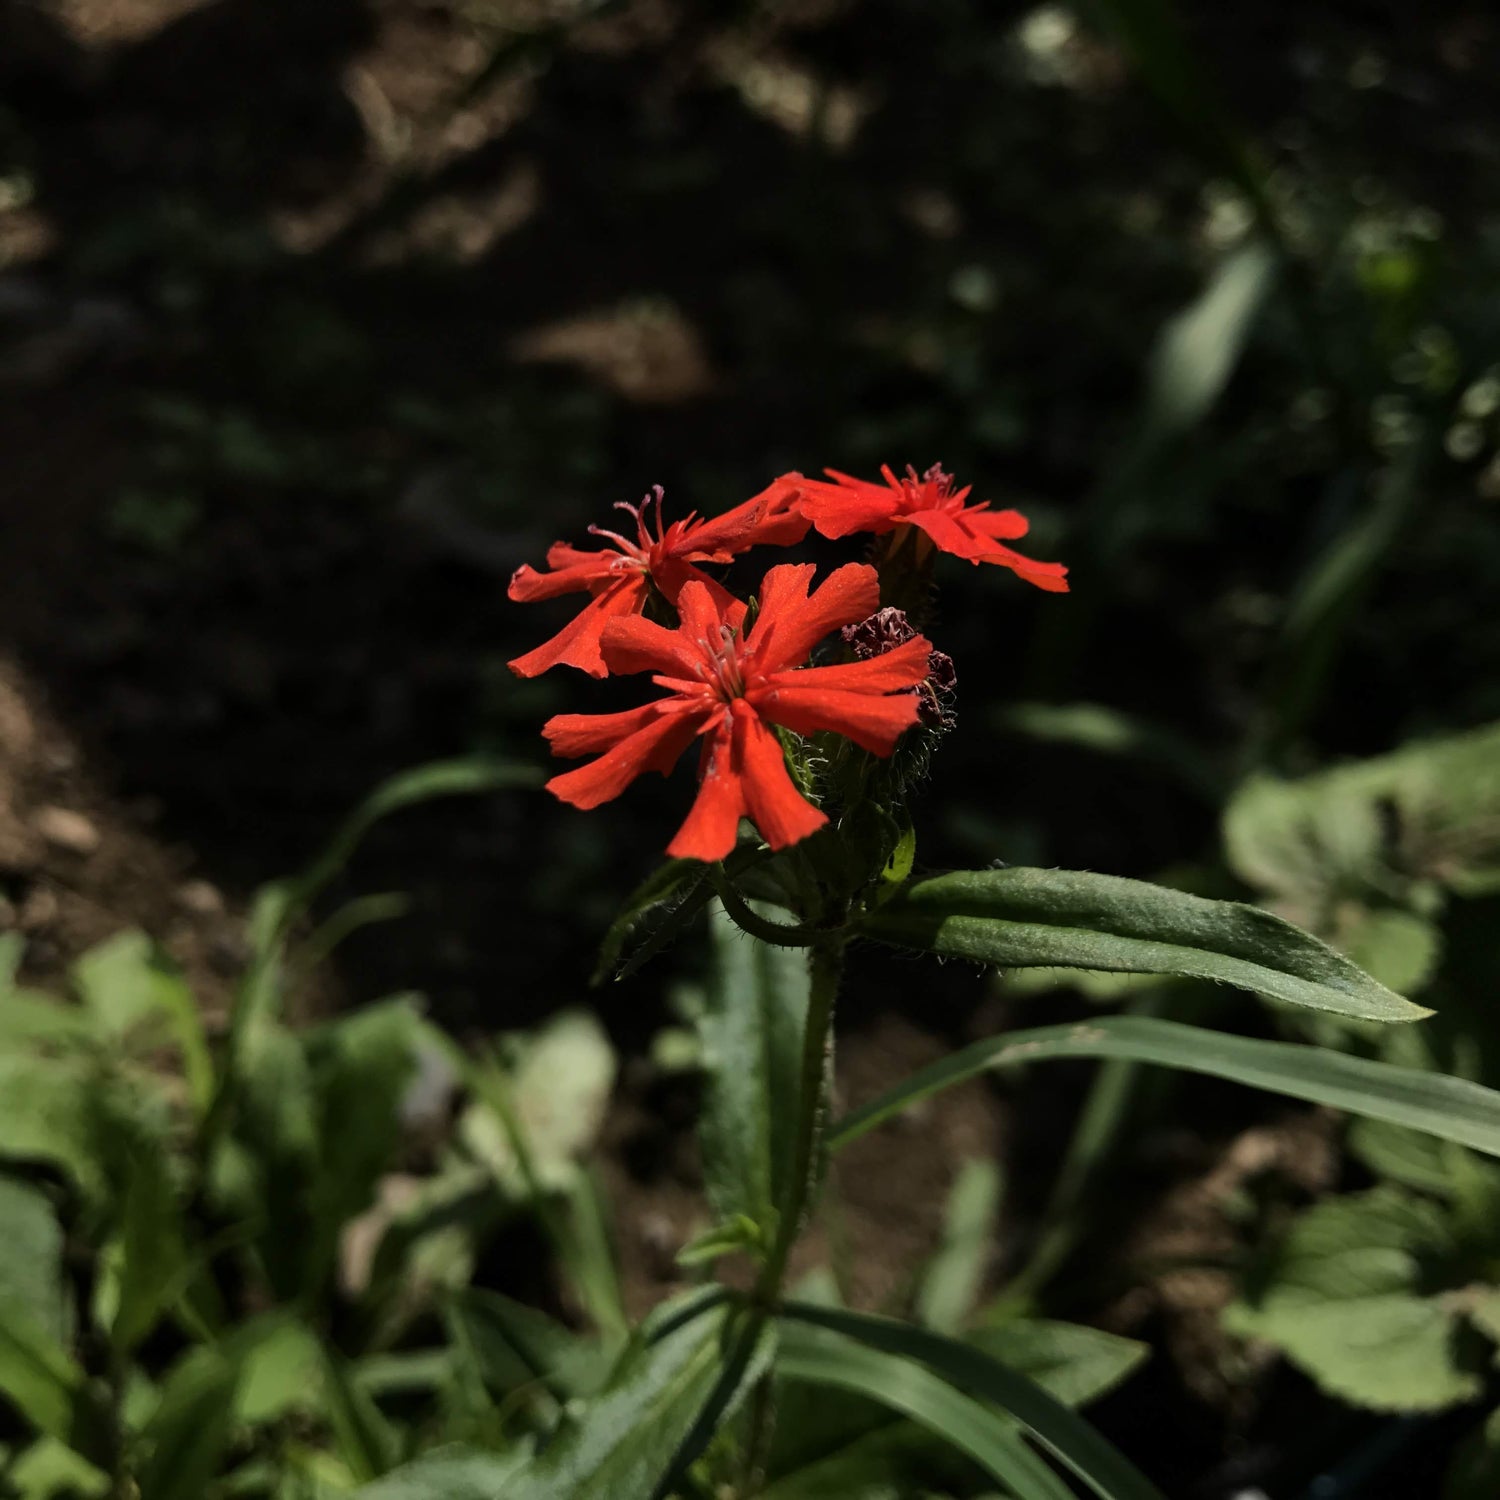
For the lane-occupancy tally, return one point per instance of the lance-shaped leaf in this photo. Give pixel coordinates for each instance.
(656, 911)
(41, 1380)
(820, 1356)
(627, 1440)
(980, 1375)
(1027, 918)
(450, 1473)
(751, 1028)
(1451, 1108)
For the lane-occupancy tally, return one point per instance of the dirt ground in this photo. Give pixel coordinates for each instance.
(264, 347)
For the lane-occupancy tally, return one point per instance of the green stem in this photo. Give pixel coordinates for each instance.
(777, 934)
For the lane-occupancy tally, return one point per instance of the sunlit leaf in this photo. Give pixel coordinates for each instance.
(130, 984)
(1024, 918)
(1347, 1297)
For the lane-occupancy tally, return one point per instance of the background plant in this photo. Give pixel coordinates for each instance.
(289, 391)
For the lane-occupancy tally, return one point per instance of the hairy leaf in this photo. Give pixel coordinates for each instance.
(751, 1029)
(1025, 918)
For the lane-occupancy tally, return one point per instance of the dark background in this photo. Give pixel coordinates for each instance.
(317, 319)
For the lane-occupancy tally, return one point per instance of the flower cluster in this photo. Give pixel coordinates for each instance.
(731, 679)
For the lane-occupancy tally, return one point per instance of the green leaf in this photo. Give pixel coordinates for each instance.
(1344, 1296)
(1025, 918)
(277, 1132)
(31, 1273)
(186, 1439)
(1074, 1363)
(1398, 1154)
(953, 1278)
(1198, 350)
(514, 1344)
(824, 1357)
(365, 1440)
(1428, 812)
(35, 1022)
(49, 1470)
(75, 1113)
(627, 1439)
(41, 1380)
(130, 984)
(558, 1093)
(152, 1254)
(1077, 1444)
(452, 1473)
(280, 1369)
(1451, 1108)
(654, 913)
(359, 1067)
(48, 1114)
(894, 1461)
(751, 1025)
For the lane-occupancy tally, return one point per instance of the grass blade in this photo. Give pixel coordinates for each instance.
(1450, 1108)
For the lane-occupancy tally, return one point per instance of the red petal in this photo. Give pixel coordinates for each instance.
(575, 735)
(791, 622)
(954, 532)
(713, 822)
(655, 747)
(1002, 525)
(873, 721)
(867, 486)
(781, 813)
(577, 643)
(838, 510)
(641, 645)
(587, 570)
(1050, 576)
(672, 575)
(902, 666)
(566, 555)
(951, 535)
(766, 519)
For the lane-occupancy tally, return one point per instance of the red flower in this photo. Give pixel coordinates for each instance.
(929, 503)
(727, 688)
(621, 577)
